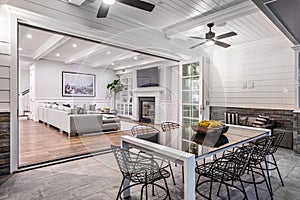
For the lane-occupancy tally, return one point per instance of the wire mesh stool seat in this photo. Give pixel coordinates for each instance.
(226, 171)
(168, 126)
(151, 134)
(145, 132)
(141, 170)
(276, 140)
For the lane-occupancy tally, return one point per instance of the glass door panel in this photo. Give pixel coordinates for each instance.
(186, 70)
(186, 83)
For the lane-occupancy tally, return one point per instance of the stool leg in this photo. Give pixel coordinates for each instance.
(277, 170)
(153, 190)
(167, 188)
(172, 173)
(146, 191)
(243, 188)
(268, 186)
(120, 188)
(254, 183)
(268, 174)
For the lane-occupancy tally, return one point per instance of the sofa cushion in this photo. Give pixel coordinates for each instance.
(86, 123)
(114, 119)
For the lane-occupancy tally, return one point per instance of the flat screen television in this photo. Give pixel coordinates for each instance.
(148, 77)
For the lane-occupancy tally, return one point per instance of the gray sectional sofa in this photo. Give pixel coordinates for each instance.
(74, 124)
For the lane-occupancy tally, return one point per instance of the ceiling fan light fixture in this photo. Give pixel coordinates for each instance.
(109, 2)
(210, 43)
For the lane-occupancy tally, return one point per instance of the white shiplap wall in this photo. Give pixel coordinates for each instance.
(260, 74)
(4, 60)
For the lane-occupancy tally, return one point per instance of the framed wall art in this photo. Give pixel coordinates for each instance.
(78, 84)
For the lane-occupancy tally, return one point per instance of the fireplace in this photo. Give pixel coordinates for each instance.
(147, 109)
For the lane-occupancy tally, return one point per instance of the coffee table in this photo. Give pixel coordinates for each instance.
(172, 151)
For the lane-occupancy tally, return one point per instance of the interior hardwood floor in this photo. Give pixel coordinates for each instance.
(39, 143)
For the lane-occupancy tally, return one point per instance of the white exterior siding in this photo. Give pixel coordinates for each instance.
(258, 75)
(4, 59)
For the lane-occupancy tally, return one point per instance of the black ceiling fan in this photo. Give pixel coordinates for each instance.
(105, 5)
(211, 38)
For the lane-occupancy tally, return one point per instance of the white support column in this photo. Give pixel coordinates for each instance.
(297, 71)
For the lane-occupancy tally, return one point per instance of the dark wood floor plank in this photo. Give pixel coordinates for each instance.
(40, 143)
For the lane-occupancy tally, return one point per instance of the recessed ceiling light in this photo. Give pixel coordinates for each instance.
(20, 49)
(57, 54)
(112, 63)
(108, 52)
(109, 2)
(135, 57)
(74, 45)
(29, 36)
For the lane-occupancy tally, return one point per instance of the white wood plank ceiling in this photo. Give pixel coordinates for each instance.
(166, 29)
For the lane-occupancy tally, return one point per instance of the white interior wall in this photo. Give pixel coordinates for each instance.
(24, 84)
(23, 80)
(256, 75)
(49, 82)
(47, 85)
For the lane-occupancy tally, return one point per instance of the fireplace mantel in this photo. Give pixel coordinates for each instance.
(149, 89)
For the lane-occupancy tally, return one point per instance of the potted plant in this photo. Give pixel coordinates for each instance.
(115, 87)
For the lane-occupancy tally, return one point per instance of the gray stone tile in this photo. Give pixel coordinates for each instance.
(284, 193)
(285, 162)
(99, 178)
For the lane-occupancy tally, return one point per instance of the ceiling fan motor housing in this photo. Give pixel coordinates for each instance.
(210, 35)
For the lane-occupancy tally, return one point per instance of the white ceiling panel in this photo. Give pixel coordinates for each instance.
(68, 50)
(249, 28)
(29, 45)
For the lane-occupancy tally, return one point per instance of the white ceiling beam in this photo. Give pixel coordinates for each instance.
(76, 2)
(218, 17)
(127, 55)
(94, 50)
(54, 42)
(116, 59)
(2, 2)
(138, 63)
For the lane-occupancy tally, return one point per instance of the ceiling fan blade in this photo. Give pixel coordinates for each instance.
(222, 44)
(138, 4)
(197, 45)
(196, 37)
(226, 35)
(103, 10)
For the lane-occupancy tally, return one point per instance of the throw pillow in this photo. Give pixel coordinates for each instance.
(67, 105)
(80, 110)
(74, 111)
(265, 117)
(261, 121)
(60, 107)
(92, 107)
